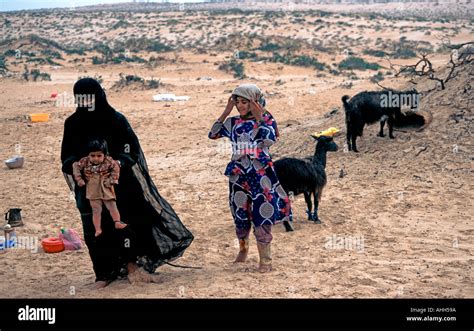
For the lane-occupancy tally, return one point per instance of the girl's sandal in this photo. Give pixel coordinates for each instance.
(121, 223)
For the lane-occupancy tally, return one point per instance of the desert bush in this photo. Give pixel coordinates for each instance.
(133, 78)
(3, 65)
(376, 53)
(53, 54)
(269, 47)
(403, 53)
(405, 49)
(120, 24)
(37, 75)
(153, 83)
(319, 47)
(323, 13)
(103, 49)
(378, 77)
(237, 68)
(26, 53)
(269, 15)
(97, 77)
(356, 63)
(143, 44)
(44, 41)
(298, 21)
(10, 52)
(172, 22)
(420, 19)
(443, 49)
(98, 60)
(40, 60)
(247, 55)
(231, 11)
(78, 50)
(136, 81)
(25, 74)
(123, 58)
(307, 61)
(296, 60)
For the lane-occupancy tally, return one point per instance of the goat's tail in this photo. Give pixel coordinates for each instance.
(344, 101)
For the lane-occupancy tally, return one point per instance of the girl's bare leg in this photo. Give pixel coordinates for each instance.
(112, 207)
(96, 215)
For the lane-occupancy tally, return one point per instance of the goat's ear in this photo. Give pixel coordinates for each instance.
(315, 137)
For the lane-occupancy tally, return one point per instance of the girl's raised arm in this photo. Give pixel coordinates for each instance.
(221, 128)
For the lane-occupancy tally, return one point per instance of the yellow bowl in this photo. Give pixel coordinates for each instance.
(331, 132)
(41, 117)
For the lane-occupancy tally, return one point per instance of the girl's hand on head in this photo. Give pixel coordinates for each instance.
(230, 105)
(228, 109)
(256, 109)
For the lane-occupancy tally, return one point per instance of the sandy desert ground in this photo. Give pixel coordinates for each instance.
(406, 204)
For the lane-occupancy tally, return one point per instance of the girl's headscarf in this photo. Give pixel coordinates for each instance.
(250, 92)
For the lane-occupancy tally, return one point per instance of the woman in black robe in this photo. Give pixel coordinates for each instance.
(155, 234)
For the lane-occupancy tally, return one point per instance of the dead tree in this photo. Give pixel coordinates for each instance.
(461, 54)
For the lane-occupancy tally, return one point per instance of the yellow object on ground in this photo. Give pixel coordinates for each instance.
(331, 132)
(40, 117)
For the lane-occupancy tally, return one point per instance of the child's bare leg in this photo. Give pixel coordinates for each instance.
(96, 215)
(112, 207)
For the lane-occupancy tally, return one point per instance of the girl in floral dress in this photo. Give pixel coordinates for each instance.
(255, 194)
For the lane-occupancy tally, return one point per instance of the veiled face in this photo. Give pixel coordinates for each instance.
(243, 106)
(89, 94)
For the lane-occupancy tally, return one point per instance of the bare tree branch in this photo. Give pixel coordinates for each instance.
(383, 87)
(458, 46)
(424, 68)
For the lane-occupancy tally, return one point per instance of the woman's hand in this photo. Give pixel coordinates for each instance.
(257, 110)
(228, 109)
(81, 183)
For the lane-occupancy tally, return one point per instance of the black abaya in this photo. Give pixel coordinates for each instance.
(155, 233)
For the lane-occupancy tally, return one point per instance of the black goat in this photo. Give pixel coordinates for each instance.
(370, 107)
(306, 176)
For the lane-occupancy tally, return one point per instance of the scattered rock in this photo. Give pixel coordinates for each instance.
(341, 173)
(331, 113)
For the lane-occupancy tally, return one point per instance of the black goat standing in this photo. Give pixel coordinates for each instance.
(306, 176)
(368, 108)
